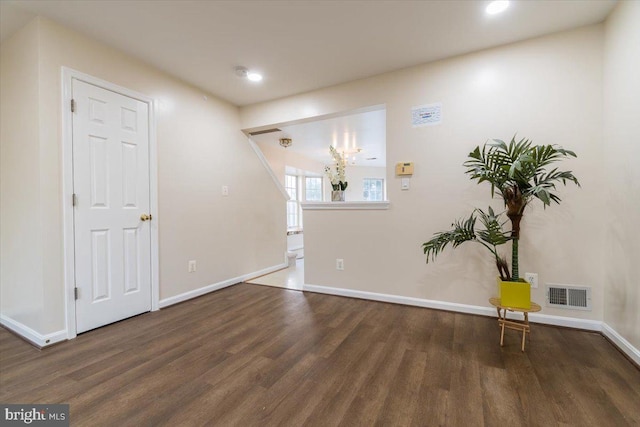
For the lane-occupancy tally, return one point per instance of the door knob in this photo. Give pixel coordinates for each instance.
(145, 217)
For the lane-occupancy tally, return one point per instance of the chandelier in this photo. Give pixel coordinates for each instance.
(285, 142)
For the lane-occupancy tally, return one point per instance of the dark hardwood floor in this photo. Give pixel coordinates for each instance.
(253, 355)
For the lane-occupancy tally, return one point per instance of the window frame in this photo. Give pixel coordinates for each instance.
(306, 188)
(382, 190)
(293, 208)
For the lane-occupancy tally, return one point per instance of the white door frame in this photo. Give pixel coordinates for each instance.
(68, 75)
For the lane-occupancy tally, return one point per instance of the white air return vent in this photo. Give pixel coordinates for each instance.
(565, 296)
(262, 132)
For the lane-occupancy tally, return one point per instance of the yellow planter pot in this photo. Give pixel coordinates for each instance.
(515, 294)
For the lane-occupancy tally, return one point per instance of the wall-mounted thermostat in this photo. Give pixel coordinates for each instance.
(404, 168)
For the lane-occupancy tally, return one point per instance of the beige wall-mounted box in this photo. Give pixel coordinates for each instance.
(404, 168)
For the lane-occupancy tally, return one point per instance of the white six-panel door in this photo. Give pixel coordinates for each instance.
(111, 184)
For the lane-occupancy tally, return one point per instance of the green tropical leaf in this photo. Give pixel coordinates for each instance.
(520, 172)
(465, 231)
(493, 233)
(520, 164)
(462, 231)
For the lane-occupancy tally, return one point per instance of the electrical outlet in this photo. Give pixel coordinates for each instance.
(339, 264)
(192, 266)
(225, 190)
(532, 278)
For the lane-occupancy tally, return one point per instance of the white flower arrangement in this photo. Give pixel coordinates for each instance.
(337, 177)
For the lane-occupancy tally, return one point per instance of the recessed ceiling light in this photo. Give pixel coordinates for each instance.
(247, 74)
(253, 76)
(497, 6)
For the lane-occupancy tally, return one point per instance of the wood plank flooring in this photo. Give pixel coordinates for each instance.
(252, 355)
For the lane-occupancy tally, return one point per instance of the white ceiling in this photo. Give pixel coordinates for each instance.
(298, 45)
(302, 45)
(366, 131)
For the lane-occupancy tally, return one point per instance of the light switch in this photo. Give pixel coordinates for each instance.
(225, 190)
(404, 184)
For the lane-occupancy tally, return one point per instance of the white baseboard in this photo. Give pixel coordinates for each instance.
(590, 325)
(567, 322)
(30, 335)
(622, 343)
(216, 286)
(397, 299)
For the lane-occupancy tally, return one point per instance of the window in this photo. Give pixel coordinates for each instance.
(313, 188)
(373, 189)
(294, 219)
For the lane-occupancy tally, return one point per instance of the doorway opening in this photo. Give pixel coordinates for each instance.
(296, 154)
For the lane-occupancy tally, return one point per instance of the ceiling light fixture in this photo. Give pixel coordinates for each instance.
(286, 142)
(351, 151)
(254, 77)
(247, 74)
(497, 6)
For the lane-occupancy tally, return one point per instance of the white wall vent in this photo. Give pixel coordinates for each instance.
(565, 296)
(262, 132)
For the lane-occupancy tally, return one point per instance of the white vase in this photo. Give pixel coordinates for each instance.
(337, 196)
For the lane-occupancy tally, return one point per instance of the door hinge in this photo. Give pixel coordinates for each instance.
(75, 293)
(74, 199)
(73, 105)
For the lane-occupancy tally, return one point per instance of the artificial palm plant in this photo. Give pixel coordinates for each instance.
(518, 172)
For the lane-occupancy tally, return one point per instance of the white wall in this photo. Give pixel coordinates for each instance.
(198, 143)
(621, 146)
(21, 231)
(548, 89)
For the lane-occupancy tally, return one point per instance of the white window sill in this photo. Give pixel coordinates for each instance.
(319, 206)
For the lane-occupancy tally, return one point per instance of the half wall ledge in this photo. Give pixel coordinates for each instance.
(343, 206)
